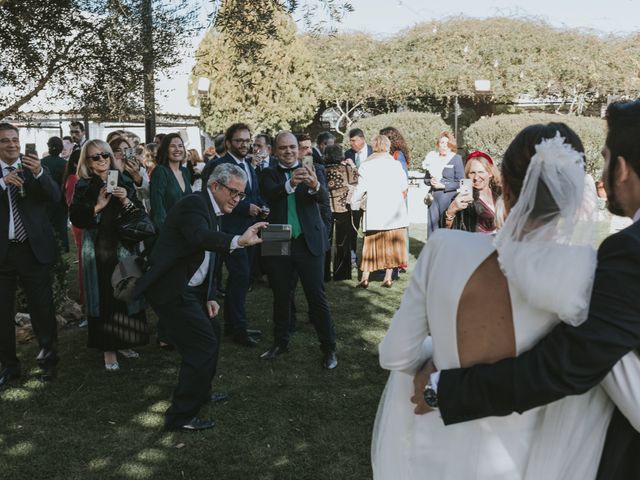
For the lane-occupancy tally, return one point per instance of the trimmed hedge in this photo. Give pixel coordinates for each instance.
(494, 134)
(418, 129)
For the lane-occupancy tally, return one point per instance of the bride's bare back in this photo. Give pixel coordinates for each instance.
(485, 331)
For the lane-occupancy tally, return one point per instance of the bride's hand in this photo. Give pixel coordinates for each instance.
(420, 380)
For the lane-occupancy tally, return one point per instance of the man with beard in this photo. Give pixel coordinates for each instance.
(246, 212)
(570, 360)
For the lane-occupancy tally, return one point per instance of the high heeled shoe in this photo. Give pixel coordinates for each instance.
(363, 284)
(128, 353)
(387, 283)
(112, 367)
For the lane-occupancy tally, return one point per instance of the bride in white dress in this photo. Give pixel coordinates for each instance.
(541, 266)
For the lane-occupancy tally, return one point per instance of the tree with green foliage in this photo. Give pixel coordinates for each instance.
(494, 134)
(87, 51)
(274, 91)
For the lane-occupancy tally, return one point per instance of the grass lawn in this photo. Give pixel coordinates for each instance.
(286, 419)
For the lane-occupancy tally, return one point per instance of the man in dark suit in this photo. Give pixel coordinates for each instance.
(59, 212)
(360, 149)
(293, 193)
(27, 251)
(76, 131)
(262, 149)
(322, 140)
(179, 285)
(358, 153)
(570, 360)
(245, 214)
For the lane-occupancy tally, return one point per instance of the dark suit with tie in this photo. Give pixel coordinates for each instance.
(239, 261)
(306, 259)
(29, 261)
(568, 361)
(356, 216)
(190, 229)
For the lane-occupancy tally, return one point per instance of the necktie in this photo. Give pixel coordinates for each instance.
(19, 232)
(243, 166)
(292, 212)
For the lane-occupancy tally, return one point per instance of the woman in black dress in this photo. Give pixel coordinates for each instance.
(113, 325)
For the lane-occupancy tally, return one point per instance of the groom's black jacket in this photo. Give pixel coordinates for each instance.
(568, 361)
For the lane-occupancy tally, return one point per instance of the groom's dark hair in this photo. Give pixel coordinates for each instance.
(623, 135)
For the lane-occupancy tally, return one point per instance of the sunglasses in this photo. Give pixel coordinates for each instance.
(95, 158)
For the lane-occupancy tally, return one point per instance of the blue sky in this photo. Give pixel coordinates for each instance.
(386, 17)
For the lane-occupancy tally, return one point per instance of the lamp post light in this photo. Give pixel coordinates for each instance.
(203, 87)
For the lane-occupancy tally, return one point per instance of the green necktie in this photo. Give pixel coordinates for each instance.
(292, 212)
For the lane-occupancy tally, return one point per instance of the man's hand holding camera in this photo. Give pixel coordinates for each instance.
(32, 162)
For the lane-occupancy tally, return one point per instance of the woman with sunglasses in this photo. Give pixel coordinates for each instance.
(171, 180)
(113, 325)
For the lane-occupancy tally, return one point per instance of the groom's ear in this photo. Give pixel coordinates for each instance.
(623, 170)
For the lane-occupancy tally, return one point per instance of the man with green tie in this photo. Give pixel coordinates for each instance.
(294, 193)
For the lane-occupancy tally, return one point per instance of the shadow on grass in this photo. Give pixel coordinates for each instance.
(285, 419)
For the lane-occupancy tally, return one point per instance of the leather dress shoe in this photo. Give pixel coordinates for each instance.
(217, 397)
(254, 333)
(48, 374)
(273, 352)
(8, 374)
(244, 339)
(194, 425)
(329, 360)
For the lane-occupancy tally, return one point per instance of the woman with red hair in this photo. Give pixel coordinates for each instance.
(476, 212)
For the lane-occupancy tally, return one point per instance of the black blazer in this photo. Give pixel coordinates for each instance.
(351, 153)
(33, 210)
(568, 361)
(272, 182)
(189, 231)
(239, 220)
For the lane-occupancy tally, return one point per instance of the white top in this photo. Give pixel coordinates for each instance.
(561, 440)
(382, 178)
(435, 163)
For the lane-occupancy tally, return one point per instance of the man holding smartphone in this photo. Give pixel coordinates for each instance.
(294, 193)
(27, 251)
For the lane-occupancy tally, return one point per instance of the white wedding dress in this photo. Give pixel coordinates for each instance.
(562, 440)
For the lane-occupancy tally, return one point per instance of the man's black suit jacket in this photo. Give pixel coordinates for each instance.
(189, 231)
(40, 192)
(272, 186)
(351, 153)
(568, 361)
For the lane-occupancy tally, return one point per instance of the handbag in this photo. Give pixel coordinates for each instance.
(134, 225)
(124, 277)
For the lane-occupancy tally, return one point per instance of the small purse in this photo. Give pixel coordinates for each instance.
(124, 277)
(134, 225)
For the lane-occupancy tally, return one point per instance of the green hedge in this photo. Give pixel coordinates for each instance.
(419, 130)
(493, 134)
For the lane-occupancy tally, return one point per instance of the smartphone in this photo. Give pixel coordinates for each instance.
(129, 154)
(30, 149)
(112, 180)
(307, 162)
(466, 186)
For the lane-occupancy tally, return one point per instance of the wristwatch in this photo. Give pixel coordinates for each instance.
(430, 395)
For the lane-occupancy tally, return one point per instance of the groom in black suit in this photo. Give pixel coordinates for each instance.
(27, 251)
(571, 360)
(294, 193)
(179, 285)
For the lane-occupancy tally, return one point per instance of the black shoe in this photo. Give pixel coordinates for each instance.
(217, 397)
(242, 338)
(194, 425)
(7, 374)
(273, 352)
(254, 333)
(329, 360)
(48, 374)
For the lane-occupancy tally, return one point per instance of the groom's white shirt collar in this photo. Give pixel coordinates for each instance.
(636, 217)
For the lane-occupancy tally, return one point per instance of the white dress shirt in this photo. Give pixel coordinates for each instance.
(244, 166)
(201, 274)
